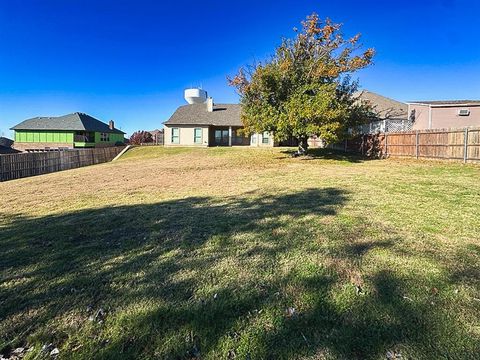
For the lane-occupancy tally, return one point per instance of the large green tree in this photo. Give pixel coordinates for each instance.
(306, 87)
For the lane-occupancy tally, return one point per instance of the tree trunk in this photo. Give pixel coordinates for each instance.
(303, 145)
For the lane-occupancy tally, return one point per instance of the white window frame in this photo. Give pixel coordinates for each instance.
(265, 137)
(195, 137)
(175, 136)
(105, 137)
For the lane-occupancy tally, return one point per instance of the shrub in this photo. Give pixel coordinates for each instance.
(141, 136)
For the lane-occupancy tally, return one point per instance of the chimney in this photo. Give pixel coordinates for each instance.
(111, 125)
(210, 104)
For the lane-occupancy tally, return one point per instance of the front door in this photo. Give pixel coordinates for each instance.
(221, 137)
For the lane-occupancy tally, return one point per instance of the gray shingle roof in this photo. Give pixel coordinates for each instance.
(76, 121)
(197, 114)
(5, 141)
(7, 150)
(383, 107)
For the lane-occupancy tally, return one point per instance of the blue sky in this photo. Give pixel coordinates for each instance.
(130, 60)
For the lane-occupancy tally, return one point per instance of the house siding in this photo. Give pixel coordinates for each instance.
(257, 140)
(186, 135)
(447, 117)
(41, 139)
(44, 136)
(444, 117)
(421, 116)
(113, 138)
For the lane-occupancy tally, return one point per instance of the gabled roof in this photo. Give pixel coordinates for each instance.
(5, 141)
(156, 131)
(76, 121)
(384, 107)
(7, 150)
(6, 146)
(197, 114)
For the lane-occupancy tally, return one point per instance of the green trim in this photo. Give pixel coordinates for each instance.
(113, 138)
(29, 136)
(66, 137)
(83, 144)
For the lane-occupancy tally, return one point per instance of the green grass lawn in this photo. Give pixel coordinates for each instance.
(231, 253)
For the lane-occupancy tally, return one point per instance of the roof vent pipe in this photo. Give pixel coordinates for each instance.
(210, 104)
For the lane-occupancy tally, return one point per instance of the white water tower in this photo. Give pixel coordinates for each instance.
(195, 96)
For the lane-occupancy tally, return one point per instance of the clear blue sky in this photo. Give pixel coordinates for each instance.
(130, 60)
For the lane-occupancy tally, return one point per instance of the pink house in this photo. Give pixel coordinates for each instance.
(448, 114)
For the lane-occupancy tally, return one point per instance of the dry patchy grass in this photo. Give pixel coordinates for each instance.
(201, 252)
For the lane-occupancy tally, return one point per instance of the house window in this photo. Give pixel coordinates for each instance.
(265, 137)
(175, 136)
(197, 135)
(104, 137)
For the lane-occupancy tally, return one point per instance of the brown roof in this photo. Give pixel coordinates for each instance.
(384, 107)
(156, 131)
(197, 114)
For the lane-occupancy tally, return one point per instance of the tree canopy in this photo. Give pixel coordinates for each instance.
(140, 137)
(305, 88)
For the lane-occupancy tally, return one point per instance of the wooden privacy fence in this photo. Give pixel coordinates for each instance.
(452, 144)
(15, 166)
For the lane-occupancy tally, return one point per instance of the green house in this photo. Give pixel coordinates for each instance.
(77, 130)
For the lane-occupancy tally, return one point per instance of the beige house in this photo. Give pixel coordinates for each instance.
(209, 124)
(444, 114)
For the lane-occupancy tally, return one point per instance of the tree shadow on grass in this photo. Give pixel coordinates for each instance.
(203, 277)
(328, 154)
(66, 263)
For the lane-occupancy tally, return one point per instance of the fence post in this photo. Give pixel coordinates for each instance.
(386, 146)
(416, 144)
(346, 145)
(465, 148)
